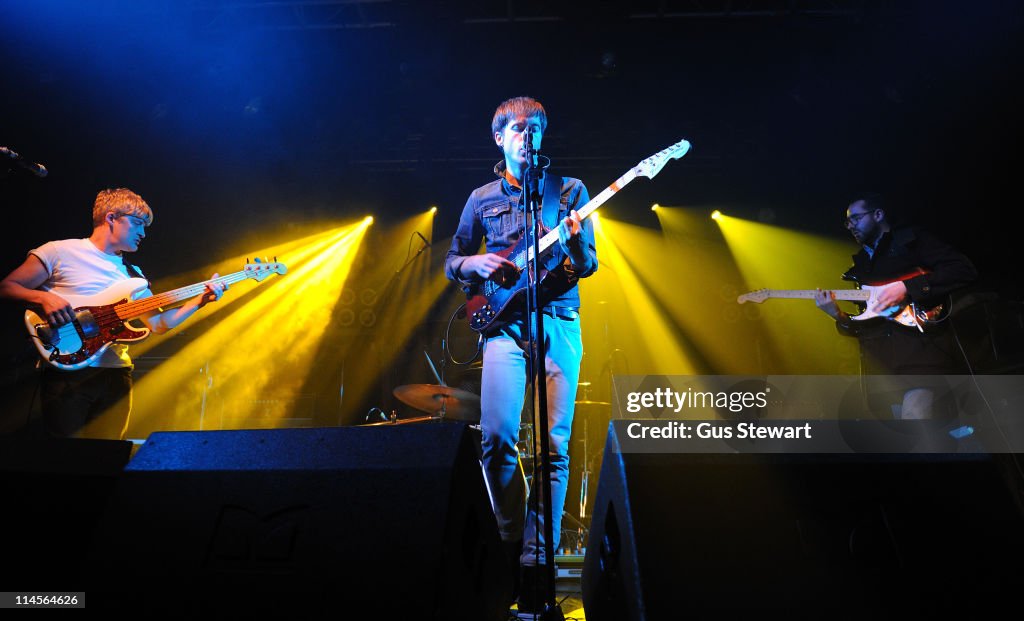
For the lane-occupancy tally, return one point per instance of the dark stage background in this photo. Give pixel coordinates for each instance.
(306, 112)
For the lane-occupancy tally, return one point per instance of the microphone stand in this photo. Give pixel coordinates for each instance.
(16, 160)
(385, 295)
(536, 366)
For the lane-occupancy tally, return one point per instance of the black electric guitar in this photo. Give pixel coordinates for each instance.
(102, 319)
(489, 301)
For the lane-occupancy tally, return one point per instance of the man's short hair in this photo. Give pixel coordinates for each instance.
(518, 106)
(872, 200)
(120, 202)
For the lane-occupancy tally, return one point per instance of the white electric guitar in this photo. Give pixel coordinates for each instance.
(102, 319)
(908, 315)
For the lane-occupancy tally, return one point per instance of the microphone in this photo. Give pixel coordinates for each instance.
(423, 238)
(36, 169)
(531, 152)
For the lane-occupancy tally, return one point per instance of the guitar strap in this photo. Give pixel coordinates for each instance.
(550, 201)
(132, 270)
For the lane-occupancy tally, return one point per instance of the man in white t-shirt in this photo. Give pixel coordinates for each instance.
(94, 401)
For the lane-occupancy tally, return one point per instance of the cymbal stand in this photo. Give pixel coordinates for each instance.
(439, 377)
(582, 532)
(585, 475)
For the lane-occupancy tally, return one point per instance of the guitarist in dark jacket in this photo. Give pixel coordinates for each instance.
(921, 270)
(494, 214)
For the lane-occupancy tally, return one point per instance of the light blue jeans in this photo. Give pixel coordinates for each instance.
(502, 397)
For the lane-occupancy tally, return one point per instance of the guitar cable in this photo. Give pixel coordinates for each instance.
(447, 339)
(988, 406)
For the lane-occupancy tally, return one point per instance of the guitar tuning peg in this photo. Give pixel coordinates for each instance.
(247, 260)
(275, 259)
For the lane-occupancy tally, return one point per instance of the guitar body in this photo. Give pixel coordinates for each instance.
(909, 315)
(77, 344)
(489, 301)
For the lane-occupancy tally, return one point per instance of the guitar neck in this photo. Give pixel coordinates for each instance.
(551, 237)
(851, 295)
(138, 308)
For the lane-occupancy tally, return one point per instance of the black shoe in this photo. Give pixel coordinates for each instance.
(533, 592)
(512, 551)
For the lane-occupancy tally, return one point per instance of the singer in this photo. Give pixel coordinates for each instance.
(494, 213)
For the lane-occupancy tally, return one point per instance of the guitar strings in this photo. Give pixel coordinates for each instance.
(136, 308)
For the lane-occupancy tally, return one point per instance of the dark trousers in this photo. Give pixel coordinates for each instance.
(89, 403)
(896, 360)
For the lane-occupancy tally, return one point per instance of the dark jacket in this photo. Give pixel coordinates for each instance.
(493, 214)
(887, 347)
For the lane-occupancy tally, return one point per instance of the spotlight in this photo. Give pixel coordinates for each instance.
(368, 220)
(433, 209)
(655, 206)
(716, 215)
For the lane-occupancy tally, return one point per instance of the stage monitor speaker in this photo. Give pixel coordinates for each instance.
(55, 492)
(677, 535)
(392, 520)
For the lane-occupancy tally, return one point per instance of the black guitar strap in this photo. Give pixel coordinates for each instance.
(551, 200)
(132, 270)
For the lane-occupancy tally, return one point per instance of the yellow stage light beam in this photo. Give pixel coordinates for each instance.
(288, 252)
(772, 257)
(249, 367)
(407, 284)
(688, 271)
(425, 224)
(682, 221)
(619, 318)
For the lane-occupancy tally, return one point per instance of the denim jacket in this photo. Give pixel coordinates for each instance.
(493, 214)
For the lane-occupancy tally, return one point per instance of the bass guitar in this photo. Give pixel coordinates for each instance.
(489, 301)
(102, 319)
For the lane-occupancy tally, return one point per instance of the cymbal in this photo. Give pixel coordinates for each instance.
(402, 421)
(585, 402)
(434, 399)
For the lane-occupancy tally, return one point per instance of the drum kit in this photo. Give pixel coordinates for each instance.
(440, 401)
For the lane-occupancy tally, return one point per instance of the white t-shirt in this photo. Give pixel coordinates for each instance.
(77, 267)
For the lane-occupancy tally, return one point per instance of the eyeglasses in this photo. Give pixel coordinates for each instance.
(855, 218)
